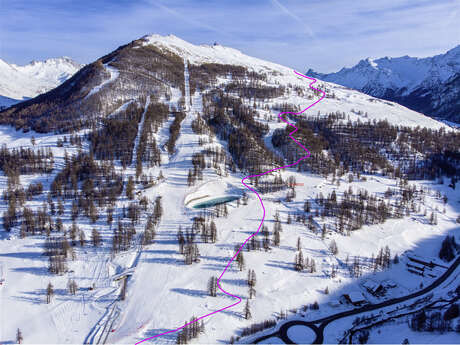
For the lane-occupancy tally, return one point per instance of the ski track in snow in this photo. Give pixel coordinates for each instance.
(113, 75)
(313, 80)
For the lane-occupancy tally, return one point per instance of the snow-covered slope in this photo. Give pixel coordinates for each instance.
(345, 100)
(18, 83)
(199, 54)
(422, 84)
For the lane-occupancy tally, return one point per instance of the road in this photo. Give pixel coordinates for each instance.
(319, 325)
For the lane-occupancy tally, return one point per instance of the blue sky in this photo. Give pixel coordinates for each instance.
(320, 34)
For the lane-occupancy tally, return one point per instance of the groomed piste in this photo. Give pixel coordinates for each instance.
(238, 299)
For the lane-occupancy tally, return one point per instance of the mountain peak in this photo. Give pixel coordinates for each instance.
(209, 53)
(454, 52)
(26, 81)
(404, 72)
(405, 79)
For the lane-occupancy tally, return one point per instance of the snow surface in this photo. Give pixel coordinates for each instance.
(348, 101)
(301, 334)
(19, 83)
(212, 190)
(199, 54)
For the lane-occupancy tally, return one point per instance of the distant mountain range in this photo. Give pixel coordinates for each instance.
(18, 83)
(428, 85)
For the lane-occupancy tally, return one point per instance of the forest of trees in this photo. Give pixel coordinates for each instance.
(87, 181)
(143, 70)
(22, 161)
(174, 131)
(147, 151)
(235, 123)
(255, 91)
(116, 138)
(436, 321)
(204, 76)
(368, 147)
(191, 330)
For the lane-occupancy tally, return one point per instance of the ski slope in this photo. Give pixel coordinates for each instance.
(162, 292)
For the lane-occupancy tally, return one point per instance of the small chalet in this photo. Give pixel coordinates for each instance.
(355, 297)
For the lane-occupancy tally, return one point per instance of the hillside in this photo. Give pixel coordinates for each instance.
(123, 200)
(131, 62)
(428, 85)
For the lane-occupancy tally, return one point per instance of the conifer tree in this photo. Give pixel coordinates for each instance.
(19, 337)
(181, 240)
(247, 311)
(72, 286)
(333, 247)
(276, 238)
(213, 231)
(49, 293)
(157, 210)
(130, 188)
(251, 278)
(299, 261)
(60, 207)
(212, 286)
(81, 238)
(240, 260)
(95, 238)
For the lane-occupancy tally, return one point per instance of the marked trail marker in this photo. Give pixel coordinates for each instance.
(313, 80)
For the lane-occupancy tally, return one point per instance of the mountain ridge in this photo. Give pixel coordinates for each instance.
(22, 82)
(154, 64)
(429, 85)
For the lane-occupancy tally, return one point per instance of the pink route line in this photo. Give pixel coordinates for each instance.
(313, 80)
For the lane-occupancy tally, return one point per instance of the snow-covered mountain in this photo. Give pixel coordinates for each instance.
(123, 202)
(216, 53)
(18, 83)
(430, 85)
(102, 82)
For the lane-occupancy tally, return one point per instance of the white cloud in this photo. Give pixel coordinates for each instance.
(301, 21)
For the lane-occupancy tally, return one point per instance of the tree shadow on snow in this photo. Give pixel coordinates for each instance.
(215, 258)
(281, 264)
(29, 256)
(39, 271)
(163, 338)
(213, 267)
(157, 251)
(236, 282)
(190, 292)
(163, 261)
